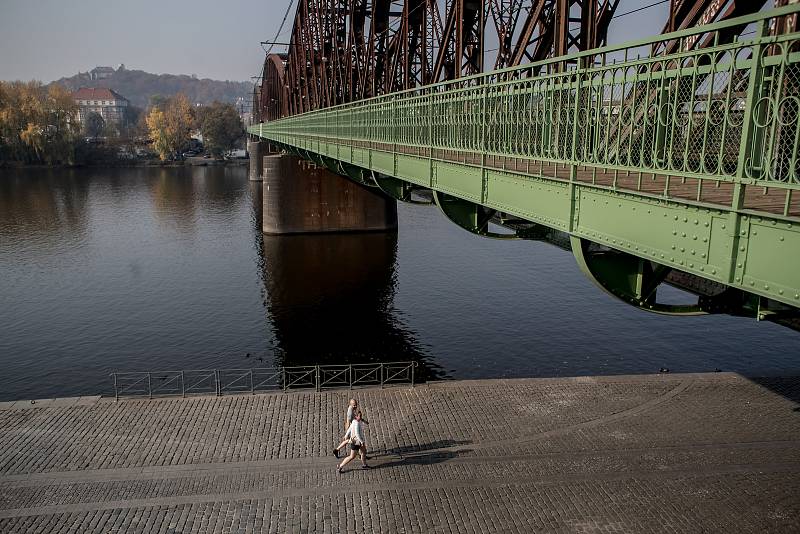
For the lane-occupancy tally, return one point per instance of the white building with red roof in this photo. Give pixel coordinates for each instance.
(107, 103)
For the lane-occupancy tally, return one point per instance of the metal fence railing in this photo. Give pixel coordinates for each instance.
(729, 111)
(261, 379)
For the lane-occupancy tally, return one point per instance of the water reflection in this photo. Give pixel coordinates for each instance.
(43, 207)
(330, 300)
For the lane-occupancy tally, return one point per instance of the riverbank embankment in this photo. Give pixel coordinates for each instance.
(659, 453)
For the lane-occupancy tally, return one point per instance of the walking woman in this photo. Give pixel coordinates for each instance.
(352, 409)
(355, 436)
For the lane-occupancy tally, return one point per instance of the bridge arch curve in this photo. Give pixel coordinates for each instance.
(274, 103)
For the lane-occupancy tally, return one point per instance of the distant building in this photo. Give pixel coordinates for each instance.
(108, 104)
(100, 73)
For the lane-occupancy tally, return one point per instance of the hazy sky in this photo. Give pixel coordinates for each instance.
(219, 39)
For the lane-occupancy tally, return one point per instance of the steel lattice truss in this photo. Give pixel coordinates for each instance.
(346, 50)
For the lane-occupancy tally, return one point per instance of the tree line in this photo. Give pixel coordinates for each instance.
(40, 125)
(170, 122)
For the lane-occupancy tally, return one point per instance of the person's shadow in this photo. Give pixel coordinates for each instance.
(423, 454)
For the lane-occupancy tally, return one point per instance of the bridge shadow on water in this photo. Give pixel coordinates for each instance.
(329, 299)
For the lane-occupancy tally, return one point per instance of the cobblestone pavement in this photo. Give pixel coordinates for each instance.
(667, 453)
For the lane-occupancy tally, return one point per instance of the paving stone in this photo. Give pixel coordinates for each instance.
(677, 453)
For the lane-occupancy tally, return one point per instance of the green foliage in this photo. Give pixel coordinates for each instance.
(221, 127)
(37, 124)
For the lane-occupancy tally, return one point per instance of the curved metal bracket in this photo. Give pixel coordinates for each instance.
(396, 188)
(357, 174)
(629, 278)
(471, 217)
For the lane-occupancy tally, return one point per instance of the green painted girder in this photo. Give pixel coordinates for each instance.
(576, 149)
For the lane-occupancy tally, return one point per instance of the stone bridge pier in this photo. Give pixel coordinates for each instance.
(300, 197)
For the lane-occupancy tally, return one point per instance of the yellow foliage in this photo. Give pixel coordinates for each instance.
(37, 124)
(170, 128)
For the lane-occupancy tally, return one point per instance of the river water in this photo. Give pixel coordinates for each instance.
(152, 269)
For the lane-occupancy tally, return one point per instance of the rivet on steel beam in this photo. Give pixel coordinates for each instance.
(780, 291)
(738, 279)
(723, 226)
(674, 232)
(673, 247)
(766, 287)
(683, 234)
(741, 249)
(781, 238)
(752, 283)
(696, 221)
(683, 249)
(739, 265)
(691, 265)
(713, 271)
(703, 255)
(706, 224)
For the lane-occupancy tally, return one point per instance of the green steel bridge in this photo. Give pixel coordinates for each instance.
(681, 168)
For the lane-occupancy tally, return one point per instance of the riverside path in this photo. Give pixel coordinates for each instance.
(665, 453)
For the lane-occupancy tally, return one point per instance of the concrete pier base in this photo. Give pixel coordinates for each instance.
(300, 197)
(255, 150)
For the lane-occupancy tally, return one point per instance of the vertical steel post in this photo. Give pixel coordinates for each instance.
(413, 364)
(116, 392)
(350, 375)
(381, 371)
(216, 383)
(283, 373)
(149, 387)
(183, 385)
(252, 387)
(317, 373)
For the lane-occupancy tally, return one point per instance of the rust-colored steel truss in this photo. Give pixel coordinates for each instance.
(346, 50)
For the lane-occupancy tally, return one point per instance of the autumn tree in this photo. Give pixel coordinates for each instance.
(37, 124)
(170, 125)
(221, 127)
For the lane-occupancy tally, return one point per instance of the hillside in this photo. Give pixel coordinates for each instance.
(138, 86)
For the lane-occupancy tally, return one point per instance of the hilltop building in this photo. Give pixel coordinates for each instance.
(100, 73)
(108, 104)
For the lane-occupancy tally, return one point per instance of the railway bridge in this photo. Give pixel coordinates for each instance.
(672, 159)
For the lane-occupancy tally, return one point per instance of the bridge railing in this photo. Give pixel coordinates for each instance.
(262, 379)
(728, 112)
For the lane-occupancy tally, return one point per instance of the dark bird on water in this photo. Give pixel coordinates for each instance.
(663, 370)
(247, 355)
